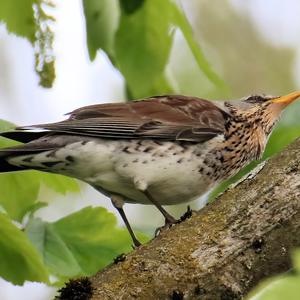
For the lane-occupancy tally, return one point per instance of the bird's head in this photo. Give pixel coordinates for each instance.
(262, 109)
(258, 114)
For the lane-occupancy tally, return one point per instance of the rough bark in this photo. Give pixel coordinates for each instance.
(223, 250)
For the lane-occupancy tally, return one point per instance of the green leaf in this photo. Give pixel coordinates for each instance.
(102, 19)
(181, 21)
(283, 287)
(59, 183)
(281, 137)
(79, 244)
(5, 125)
(20, 261)
(142, 45)
(56, 255)
(130, 6)
(18, 17)
(296, 260)
(19, 190)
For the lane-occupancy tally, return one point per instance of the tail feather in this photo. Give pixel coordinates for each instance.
(5, 166)
(24, 136)
(19, 150)
(33, 144)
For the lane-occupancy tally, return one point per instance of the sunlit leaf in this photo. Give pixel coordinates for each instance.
(19, 190)
(296, 260)
(5, 125)
(281, 137)
(59, 183)
(284, 286)
(181, 21)
(18, 17)
(142, 44)
(101, 24)
(79, 244)
(20, 261)
(281, 288)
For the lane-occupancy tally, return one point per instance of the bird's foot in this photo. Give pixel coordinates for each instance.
(169, 222)
(186, 215)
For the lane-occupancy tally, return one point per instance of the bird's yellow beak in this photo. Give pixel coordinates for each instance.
(287, 99)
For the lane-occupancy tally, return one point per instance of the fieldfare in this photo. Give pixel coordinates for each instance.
(163, 150)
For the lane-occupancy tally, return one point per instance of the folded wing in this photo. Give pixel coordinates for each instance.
(164, 117)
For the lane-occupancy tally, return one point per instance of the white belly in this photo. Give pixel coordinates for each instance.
(170, 175)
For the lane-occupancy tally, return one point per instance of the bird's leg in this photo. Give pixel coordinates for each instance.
(118, 203)
(169, 220)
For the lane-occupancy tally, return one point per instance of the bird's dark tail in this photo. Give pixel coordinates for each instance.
(23, 137)
(5, 166)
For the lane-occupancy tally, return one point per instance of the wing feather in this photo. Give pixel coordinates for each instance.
(163, 117)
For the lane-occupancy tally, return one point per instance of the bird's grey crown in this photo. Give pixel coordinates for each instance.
(256, 99)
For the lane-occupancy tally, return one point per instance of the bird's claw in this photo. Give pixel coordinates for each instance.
(169, 222)
(186, 215)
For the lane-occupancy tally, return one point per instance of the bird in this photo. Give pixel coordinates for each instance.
(162, 150)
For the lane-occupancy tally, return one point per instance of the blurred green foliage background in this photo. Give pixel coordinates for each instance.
(202, 48)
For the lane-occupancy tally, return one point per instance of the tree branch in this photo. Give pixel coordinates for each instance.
(223, 250)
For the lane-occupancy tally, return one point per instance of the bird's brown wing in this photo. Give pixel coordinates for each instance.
(163, 117)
